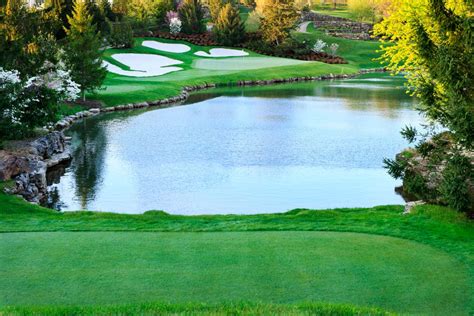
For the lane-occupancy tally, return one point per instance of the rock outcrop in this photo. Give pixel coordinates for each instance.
(27, 165)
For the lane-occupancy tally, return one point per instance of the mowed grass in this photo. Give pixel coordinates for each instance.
(418, 263)
(91, 268)
(119, 89)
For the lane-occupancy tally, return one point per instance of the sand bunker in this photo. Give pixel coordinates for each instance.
(222, 52)
(167, 47)
(143, 65)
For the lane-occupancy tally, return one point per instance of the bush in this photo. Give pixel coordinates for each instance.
(191, 15)
(455, 185)
(31, 103)
(229, 29)
(121, 35)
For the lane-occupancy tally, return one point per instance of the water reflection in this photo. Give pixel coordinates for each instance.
(250, 150)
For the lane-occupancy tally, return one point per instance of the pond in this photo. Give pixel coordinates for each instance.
(242, 151)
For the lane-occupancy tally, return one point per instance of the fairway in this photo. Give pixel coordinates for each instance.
(92, 268)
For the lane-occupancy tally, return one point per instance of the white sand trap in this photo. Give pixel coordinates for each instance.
(246, 63)
(222, 52)
(167, 47)
(143, 65)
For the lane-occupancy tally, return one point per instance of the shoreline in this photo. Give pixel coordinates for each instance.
(30, 177)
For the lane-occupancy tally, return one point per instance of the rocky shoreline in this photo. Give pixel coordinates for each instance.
(27, 166)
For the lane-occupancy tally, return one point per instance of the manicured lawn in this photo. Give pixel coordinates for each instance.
(224, 71)
(421, 263)
(361, 54)
(87, 268)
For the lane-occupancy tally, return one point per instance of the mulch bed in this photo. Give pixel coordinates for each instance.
(206, 39)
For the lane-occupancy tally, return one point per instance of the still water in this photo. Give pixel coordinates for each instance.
(243, 150)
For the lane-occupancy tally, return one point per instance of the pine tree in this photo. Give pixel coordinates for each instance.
(279, 18)
(229, 28)
(191, 15)
(83, 56)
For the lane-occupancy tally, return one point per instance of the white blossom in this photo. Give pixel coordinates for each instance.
(175, 25)
(319, 46)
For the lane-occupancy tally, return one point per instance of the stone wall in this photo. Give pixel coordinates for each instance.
(339, 27)
(28, 163)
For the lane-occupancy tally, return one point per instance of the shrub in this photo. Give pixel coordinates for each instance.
(319, 46)
(455, 185)
(121, 35)
(175, 26)
(191, 15)
(31, 103)
(229, 29)
(333, 48)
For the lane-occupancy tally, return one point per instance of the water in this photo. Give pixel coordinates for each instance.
(243, 150)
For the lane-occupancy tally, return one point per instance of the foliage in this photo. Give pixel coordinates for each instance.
(229, 29)
(175, 25)
(120, 7)
(333, 48)
(191, 15)
(121, 35)
(161, 10)
(33, 102)
(82, 51)
(279, 18)
(457, 176)
(215, 7)
(433, 41)
(319, 46)
(368, 10)
(26, 41)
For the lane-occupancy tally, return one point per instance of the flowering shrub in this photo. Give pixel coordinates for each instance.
(175, 26)
(333, 48)
(319, 46)
(171, 15)
(27, 104)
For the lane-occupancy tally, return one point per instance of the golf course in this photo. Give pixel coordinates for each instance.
(267, 157)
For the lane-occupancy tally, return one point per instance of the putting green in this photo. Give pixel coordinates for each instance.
(244, 63)
(91, 268)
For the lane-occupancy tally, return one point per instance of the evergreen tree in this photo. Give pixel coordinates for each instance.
(229, 28)
(191, 15)
(215, 7)
(83, 56)
(279, 18)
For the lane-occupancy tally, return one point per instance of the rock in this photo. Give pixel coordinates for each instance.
(410, 205)
(48, 145)
(94, 111)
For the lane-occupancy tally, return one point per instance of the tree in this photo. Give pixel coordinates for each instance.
(279, 18)
(215, 7)
(61, 9)
(25, 40)
(82, 51)
(229, 28)
(433, 41)
(191, 15)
